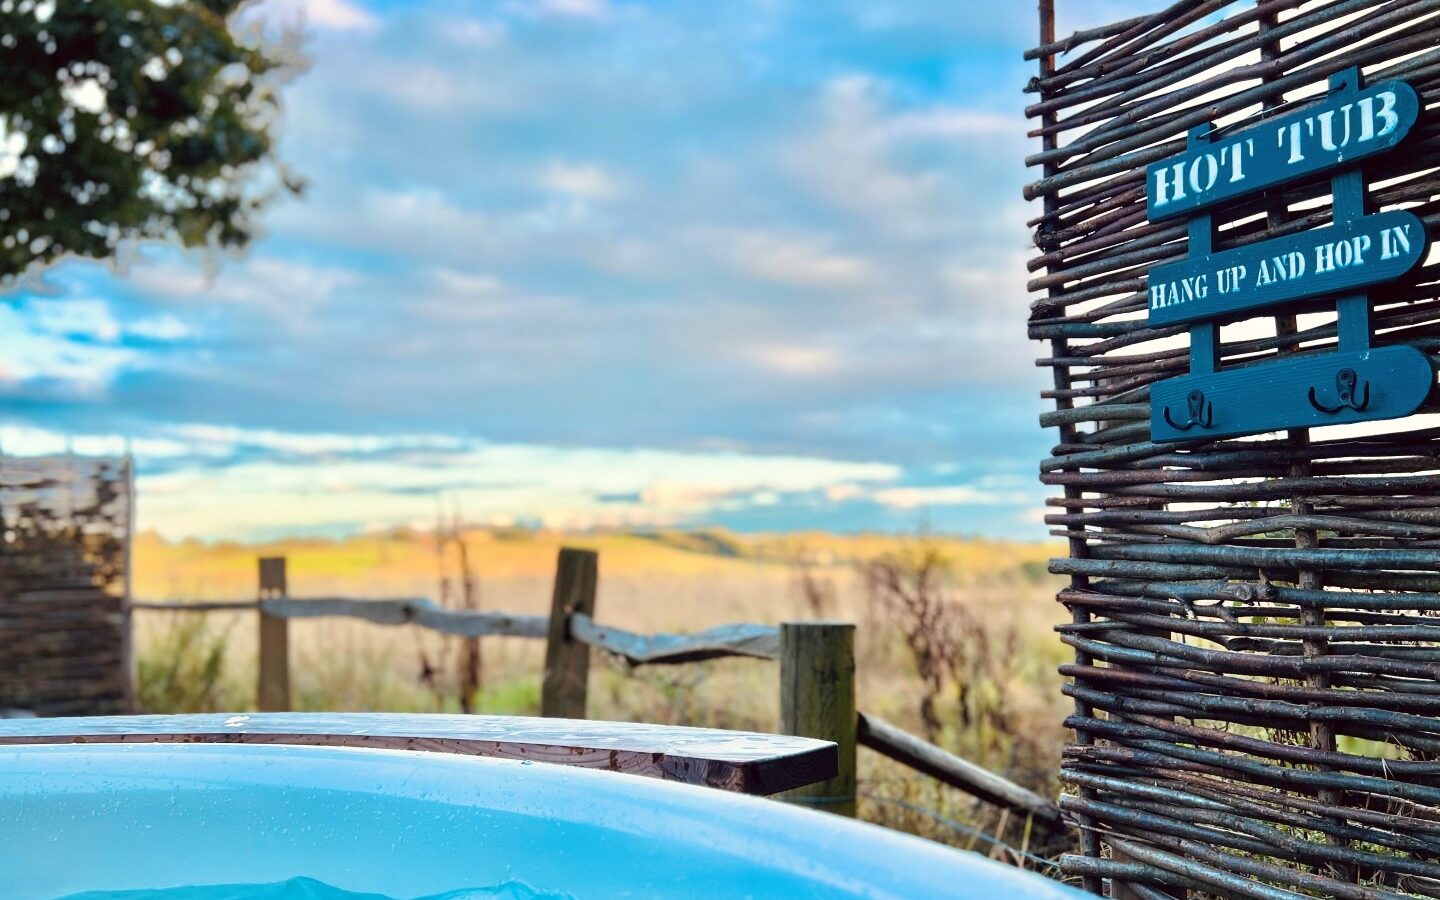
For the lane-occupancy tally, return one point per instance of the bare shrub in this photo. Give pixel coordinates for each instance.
(954, 649)
(905, 586)
(459, 588)
(816, 591)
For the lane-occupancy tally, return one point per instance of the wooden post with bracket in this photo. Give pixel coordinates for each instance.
(273, 694)
(564, 688)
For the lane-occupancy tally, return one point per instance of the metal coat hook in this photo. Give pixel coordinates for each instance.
(1202, 412)
(1346, 382)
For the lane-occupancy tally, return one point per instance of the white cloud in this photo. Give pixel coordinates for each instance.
(21, 440)
(423, 213)
(950, 122)
(948, 495)
(570, 9)
(217, 440)
(472, 304)
(797, 360)
(74, 343)
(898, 168)
(800, 260)
(288, 293)
(90, 319)
(586, 181)
(423, 87)
(681, 230)
(475, 33)
(47, 352)
(166, 327)
(331, 15)
(338, 482)
(540, 231)
(467, 282)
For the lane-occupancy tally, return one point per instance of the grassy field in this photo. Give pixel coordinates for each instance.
(995, 698)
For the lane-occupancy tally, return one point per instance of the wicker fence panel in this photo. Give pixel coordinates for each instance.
(63, 557)
(1256, 622)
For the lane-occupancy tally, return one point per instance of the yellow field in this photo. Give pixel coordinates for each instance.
(406, 564)
(665, 582)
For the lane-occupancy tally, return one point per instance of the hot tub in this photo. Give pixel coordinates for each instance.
(403, 824)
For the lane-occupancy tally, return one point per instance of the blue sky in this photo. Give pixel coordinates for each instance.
(755, 264)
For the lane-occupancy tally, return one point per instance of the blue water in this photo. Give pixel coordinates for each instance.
(397, 825)
(309, 889)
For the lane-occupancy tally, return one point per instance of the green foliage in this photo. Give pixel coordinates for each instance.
(350, 676)
(1034, 572)
(518, 695)
(182, 669)
(123, 120)
(512, 533)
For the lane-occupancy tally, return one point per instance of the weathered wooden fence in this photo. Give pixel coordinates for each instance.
(65, 524)
(816, 671)
(1257, 653)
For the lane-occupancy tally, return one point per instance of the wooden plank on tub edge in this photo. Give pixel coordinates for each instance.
(740, 761)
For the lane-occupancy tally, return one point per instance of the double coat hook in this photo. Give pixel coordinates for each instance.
(1346, 382)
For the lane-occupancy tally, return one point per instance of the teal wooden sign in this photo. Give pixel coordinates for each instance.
(1349, 126)
(1354, 383)
(1313, 264)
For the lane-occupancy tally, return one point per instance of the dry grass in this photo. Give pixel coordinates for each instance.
(1000, 707)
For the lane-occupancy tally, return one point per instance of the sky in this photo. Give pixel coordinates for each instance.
(588, 263)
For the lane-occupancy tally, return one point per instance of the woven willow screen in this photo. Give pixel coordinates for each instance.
(1256, 621)
(64, 550)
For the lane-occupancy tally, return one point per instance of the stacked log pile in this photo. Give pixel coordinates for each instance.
(63, 558)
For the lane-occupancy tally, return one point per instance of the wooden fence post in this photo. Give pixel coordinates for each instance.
(817, 700)
(274, 686)
(567, 661)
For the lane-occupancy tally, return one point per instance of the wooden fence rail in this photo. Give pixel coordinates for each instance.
(422, 612)
(816, 661)
(759, 641)
(923, 756)
(197, 606)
